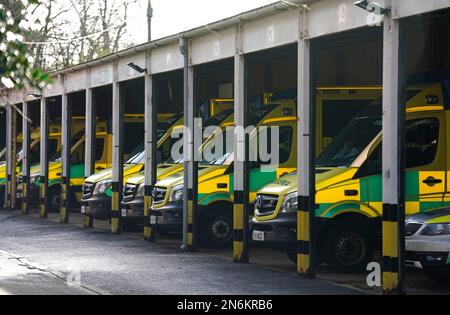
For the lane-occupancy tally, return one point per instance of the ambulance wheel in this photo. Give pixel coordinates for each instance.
(54, 198)
(216, 228)
(349, 247)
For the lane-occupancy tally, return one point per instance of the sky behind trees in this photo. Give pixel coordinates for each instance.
(173, 16)
(68, 32)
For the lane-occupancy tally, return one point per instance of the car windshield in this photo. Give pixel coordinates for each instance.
(353, 139)
(19, 151)
(164, 126)
(218, 119)
(215, 120)
(56, 157)
(256, 115)
(135, 155)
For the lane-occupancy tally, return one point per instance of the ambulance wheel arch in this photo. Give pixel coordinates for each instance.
(55, 198)
(54, 195)
(347, 241)
(216, 224)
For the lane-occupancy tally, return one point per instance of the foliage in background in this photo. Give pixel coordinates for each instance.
(75, 31)
(16, 64)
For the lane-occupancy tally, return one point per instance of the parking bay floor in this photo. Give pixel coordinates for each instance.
(125, 264)
(120, 264)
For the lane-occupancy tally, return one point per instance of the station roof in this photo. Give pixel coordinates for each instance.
(225, 23)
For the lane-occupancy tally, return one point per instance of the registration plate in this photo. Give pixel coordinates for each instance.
(84, 209)
(258, 236)
(124, 212)
(153, 219)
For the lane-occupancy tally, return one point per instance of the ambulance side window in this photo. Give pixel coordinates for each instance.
(78, 155)
(422, 138)
(284, 144)
(421, 142)
(52, 146)
(286, 141)
(372, 165)
(36, 150)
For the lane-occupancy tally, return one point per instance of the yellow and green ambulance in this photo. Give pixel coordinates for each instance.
(216, 178)
(54, 146)
(133, 193)
(97, 189)
(348, 182)
(103, 160)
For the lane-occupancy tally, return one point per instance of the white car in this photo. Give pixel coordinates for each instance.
(428, 243)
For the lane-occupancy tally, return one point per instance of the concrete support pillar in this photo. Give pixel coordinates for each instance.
(65, 154)
(8, 157)
(89, 164)
(117, 153)
(26, 157)
(241, 188)
(393, 160)
(190, 164)
(150, 150)
(4, 198)
(44, 142)
(11, 158)
(306, 156)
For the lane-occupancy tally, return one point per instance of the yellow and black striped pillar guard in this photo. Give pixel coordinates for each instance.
(240, 252)
(303, 235)
(115, 208)
(390, 249)
(8, 195)
(64, 211)
(148, 202)
(43, 213)
(25, 206)
(88, 222)
(190, 219)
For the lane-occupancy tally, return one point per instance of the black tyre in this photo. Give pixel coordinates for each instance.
(216, 229)
(54, 199)
(348, 247)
